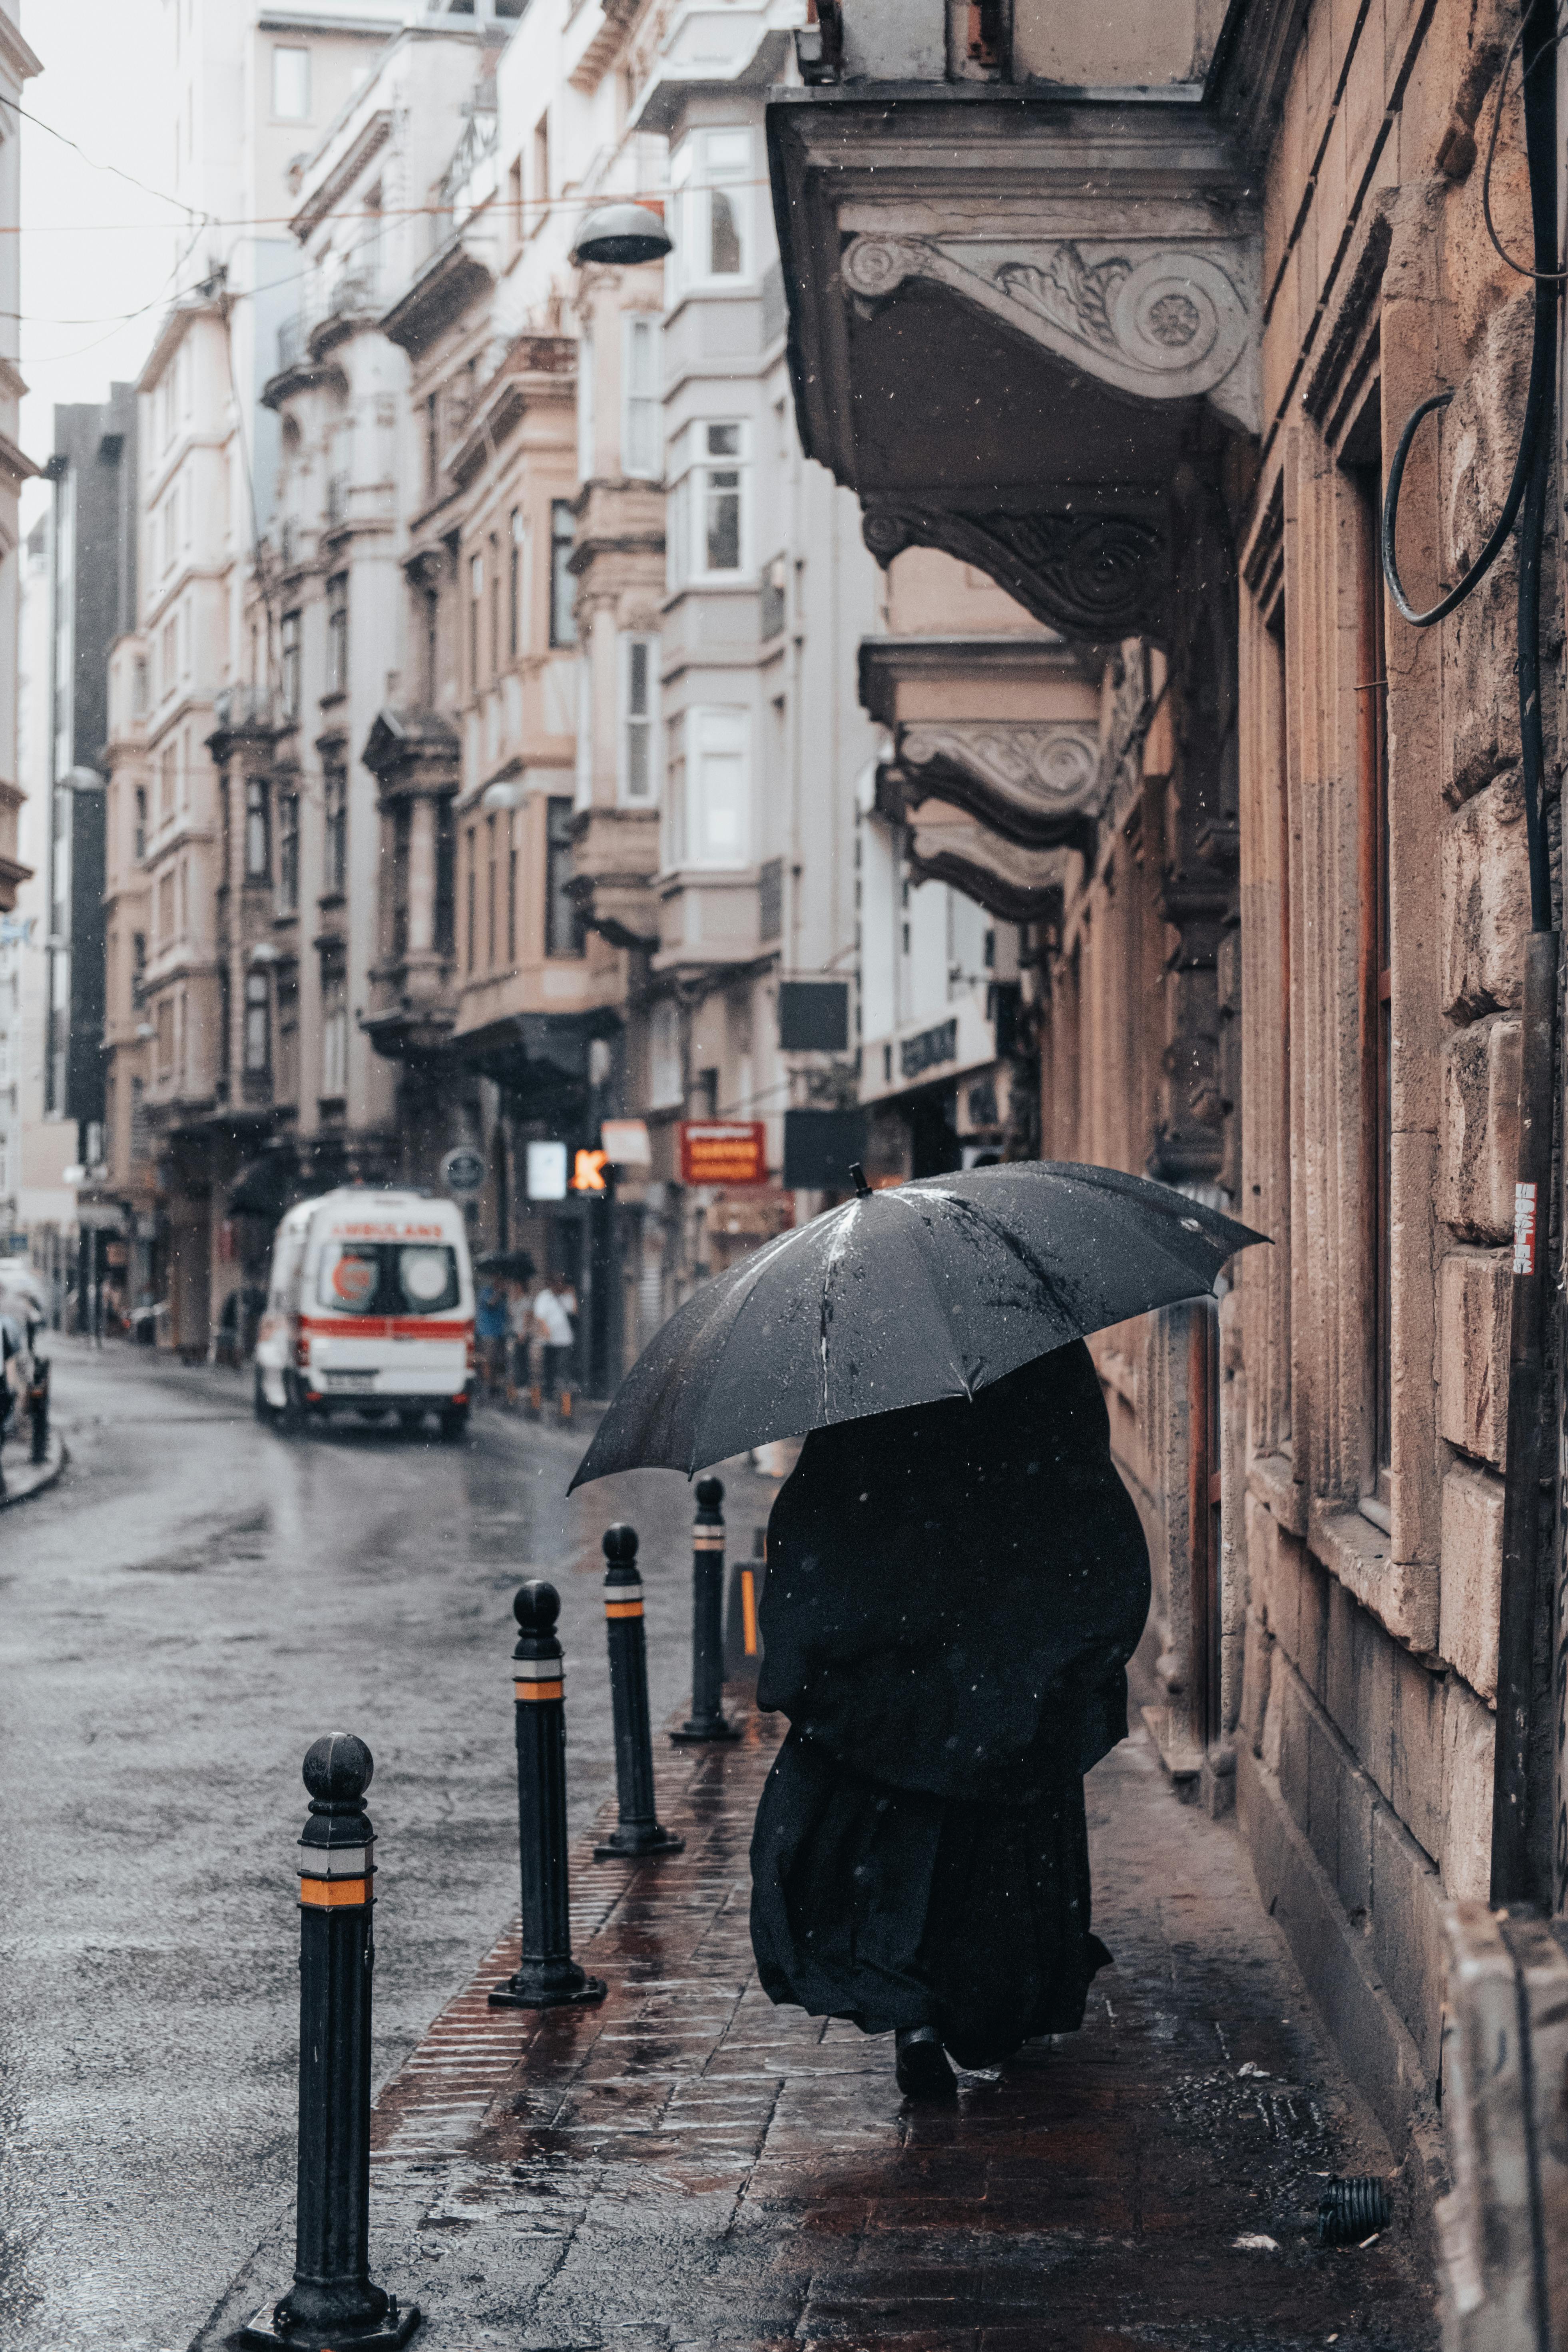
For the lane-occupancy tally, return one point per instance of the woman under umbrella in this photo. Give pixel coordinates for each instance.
(953, 1591)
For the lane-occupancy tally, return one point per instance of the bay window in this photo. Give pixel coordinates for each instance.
(713, 175)
(717, 827)
(709, 524)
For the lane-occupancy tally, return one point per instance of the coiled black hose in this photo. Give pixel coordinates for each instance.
(1354, 2209)
(1531, 466)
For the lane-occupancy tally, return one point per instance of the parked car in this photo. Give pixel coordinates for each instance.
(370, 1310)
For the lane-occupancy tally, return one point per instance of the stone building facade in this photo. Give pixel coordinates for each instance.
(1151, 334)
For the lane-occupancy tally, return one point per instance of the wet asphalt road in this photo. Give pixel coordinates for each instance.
(193, 1602)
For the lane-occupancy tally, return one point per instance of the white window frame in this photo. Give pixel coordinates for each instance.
(291, 49)
(687, 521)
(634, 723)
(722, 156)
(642, 396)
(707, 728)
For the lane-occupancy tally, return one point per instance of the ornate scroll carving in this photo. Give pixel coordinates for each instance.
(1100, 576)
(1033, 781)
(1160, 321)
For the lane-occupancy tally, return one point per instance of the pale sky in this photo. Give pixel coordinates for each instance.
(93, 247)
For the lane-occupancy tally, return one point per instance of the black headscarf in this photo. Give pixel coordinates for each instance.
(954, 1590)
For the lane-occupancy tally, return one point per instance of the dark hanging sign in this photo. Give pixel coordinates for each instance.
(929, 1049)
(819, 1146)
(814, 1016)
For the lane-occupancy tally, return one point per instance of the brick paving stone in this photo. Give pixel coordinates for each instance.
(689, 2168)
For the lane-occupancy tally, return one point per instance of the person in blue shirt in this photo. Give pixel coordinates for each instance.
(491, 1331)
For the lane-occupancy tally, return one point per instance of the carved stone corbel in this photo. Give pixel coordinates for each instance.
(1097, 575)
(1161, 321)
(1036, 782)
(1016, 884)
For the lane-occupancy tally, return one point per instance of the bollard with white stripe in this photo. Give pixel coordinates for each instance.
(334, 2300)
(639, 1830)
(547, 1977)
(707, 1719)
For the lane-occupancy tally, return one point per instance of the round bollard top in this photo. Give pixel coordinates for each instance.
(537, 1606)
(620, 1544)
(337, 1769)
(709, 1494)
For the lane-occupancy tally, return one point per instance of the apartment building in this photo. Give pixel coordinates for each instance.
(1284, 964)
(17, 65)
(253, 92)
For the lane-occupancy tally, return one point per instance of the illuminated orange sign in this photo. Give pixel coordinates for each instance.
(588, 1172)
(723, 1151)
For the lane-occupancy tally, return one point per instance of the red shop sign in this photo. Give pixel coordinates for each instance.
(723, 1151)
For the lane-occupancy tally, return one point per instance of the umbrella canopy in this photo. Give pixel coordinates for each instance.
(512, 1265)
(931, 1289)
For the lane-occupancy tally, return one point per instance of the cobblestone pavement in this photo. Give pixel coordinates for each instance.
(688, 2166)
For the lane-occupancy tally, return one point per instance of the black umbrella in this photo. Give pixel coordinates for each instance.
(512, 1265)
(928, 1290)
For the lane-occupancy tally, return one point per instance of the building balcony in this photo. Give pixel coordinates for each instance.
(1021, 320)
(707, 920)
(614, 856)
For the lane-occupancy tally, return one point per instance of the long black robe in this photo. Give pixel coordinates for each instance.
(952, 1595)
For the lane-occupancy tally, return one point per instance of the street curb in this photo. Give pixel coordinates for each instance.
(32, 1478)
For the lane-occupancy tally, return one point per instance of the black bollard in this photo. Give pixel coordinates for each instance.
(39, 1409)
(639, 1830)
(547, 1976)
(742, 1638)
(333, 2300)
(707, 1719)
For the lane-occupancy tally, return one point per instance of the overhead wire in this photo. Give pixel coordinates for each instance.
(159, 196)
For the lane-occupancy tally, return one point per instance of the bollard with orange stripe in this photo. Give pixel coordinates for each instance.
(547, 1977)
(707, 1719)
(333, 2300)
(639, 1830)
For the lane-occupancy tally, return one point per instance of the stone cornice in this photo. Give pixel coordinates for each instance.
(15, 57)
(888, 663)
(368, 143)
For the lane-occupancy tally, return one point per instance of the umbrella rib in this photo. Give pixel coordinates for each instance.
(756, 1266)
(894, 1194)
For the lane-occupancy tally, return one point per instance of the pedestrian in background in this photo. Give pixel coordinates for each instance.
(553, 1309)
(953, 1591)
(519, 1326)
(491, 1329)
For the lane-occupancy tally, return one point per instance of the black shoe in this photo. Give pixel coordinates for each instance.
(920, 2064)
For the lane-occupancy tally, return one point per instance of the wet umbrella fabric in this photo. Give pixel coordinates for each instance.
(953, 1594)
(931, 1289)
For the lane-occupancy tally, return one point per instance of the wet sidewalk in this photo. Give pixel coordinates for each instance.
(687, 2166)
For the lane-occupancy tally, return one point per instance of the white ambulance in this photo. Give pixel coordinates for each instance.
(369, 1309)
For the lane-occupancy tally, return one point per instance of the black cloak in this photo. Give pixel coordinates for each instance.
(953, 1594)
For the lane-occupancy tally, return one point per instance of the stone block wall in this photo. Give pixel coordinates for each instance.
(1372, 1554)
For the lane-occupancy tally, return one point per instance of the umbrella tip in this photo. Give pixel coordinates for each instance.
(857, 1177)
